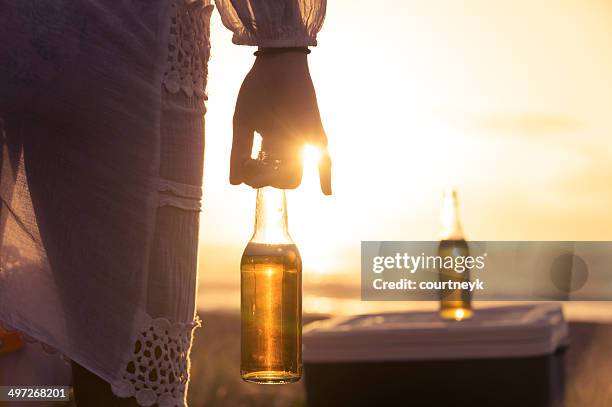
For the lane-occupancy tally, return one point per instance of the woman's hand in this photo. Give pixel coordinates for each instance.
(277, 99)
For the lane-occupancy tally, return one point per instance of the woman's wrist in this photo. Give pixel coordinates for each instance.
(282, 64)
(269, 51)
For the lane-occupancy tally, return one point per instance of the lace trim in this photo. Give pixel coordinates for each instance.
(188, 48)
(157, 370)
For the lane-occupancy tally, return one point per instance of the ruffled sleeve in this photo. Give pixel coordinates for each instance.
(273, 23)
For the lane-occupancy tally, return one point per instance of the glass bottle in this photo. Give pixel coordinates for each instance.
(454, 303)
(271, 296)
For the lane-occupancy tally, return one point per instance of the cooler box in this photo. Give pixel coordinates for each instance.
(504, 356)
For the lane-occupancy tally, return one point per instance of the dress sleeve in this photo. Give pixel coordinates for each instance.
(273, 23)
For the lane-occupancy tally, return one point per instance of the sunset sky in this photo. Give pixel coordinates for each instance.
(507, 101)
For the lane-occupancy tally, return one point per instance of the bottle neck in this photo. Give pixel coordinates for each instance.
(271, 226)
(451, 224)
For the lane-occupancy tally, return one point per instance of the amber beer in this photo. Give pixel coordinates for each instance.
(271, 296)
(454, 303)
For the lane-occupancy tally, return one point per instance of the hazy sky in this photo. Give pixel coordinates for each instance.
(508, 101)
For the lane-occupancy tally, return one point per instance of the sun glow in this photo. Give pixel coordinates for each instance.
(311, 156)
(308, 217)
(486, 96)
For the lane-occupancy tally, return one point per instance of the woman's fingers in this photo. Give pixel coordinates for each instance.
(242, 144)
(311, 130)
(325, 167)
(260, 174)
(317, 137)
(243, 133)
(283, 168)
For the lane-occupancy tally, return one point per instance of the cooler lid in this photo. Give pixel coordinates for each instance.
(496, 332)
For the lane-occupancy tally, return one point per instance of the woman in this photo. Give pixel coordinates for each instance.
(102, 109)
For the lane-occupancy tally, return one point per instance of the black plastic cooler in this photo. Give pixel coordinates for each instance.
(505, 356)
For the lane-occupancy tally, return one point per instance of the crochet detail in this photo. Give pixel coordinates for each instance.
(188, 48)
(158, 369)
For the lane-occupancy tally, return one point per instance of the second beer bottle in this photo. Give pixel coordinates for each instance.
(454, 303)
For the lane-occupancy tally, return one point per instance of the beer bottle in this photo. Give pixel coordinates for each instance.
(454, 303)
(271, 296)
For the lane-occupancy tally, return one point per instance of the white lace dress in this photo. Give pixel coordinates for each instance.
(102, 143)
